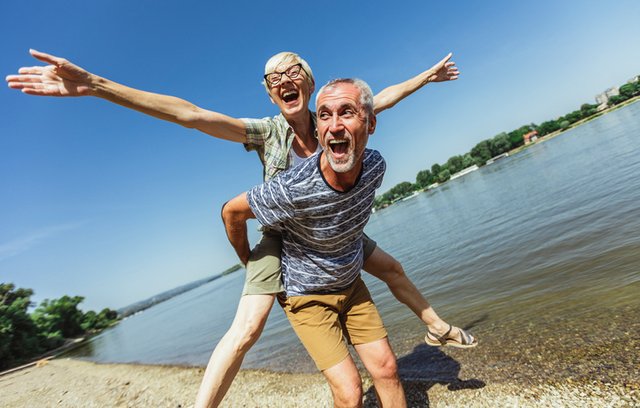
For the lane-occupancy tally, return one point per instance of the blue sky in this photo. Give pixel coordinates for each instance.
(109, 204)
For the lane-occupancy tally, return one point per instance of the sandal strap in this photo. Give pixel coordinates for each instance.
(465, 338)
(442, 339)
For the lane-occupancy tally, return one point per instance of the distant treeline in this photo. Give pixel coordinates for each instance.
(501, 143)
(232, 269)
(166, 295)
(25, 335)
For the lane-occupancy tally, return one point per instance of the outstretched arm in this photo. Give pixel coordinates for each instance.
(235, 214)
(444, 70)
(63, 78)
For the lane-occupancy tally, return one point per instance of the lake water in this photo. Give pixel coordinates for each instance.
(529, 252)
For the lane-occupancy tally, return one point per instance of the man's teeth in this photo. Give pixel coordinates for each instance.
(336, 141)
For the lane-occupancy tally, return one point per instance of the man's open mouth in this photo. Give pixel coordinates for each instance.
(339, 147)
(289, 96)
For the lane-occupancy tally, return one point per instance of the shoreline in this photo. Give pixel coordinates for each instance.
(576, 124)
(75, 383)
(527, 357)
(541, 139)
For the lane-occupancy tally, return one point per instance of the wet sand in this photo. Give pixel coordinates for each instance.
(552, 346)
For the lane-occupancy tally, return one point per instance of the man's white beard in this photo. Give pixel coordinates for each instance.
(343, 166)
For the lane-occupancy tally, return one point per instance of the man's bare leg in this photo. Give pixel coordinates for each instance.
(380, 362)
(227, 357)
(345, 383)
(384, 267)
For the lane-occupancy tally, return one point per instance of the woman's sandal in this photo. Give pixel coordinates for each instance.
(467, 340)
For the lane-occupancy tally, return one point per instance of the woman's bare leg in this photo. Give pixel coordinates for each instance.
(227, 357)
(385, 267)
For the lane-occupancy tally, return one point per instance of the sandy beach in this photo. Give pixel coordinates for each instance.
(532, 367)
(73, 383)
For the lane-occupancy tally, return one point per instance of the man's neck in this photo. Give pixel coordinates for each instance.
(339, 181)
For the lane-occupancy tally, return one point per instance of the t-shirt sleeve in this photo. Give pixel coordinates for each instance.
(379, 168)
(257, 131)
(271, 202)
(384, 169)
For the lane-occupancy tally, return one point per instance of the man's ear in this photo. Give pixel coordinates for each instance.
(372, 123)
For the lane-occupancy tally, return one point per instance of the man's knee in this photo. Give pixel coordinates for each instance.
(380, 361)
(345, 383)
(385, 369)
(347, 394)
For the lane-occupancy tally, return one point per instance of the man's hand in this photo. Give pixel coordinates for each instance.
(60, 78)
(444, 70)
(235, 214)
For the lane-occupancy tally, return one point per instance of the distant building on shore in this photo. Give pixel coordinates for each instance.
(530, 137)
(603, 98)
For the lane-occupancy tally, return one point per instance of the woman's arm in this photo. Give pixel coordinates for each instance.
(444, 70)
(62, 78)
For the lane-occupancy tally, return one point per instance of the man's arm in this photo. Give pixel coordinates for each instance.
(444, 70)
(63, 78)
(235, 214)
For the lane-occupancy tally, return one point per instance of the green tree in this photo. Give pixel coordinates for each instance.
(616, 99)
(573, 117)
(60, 315)
(444, 175)
(89, 320)
(401, 190)
(19, 337)
(454, 164)
(435, 169)
(106, 317)
(467, 161)
(92, 321)
(548, 127)
(481, 152)
(424, 178)
(588, 110)
(629, 90)
(500, 144)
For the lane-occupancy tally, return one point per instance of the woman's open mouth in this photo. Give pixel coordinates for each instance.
(289, 96)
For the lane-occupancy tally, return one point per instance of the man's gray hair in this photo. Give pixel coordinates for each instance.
(366, 95)
(287, 57)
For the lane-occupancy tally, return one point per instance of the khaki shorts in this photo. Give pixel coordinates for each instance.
(321, 322)
(264, 276)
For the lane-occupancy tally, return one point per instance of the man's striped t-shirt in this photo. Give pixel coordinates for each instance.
(321, 227)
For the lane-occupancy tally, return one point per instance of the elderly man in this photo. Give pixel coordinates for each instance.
(280, 141)
(321, 207)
